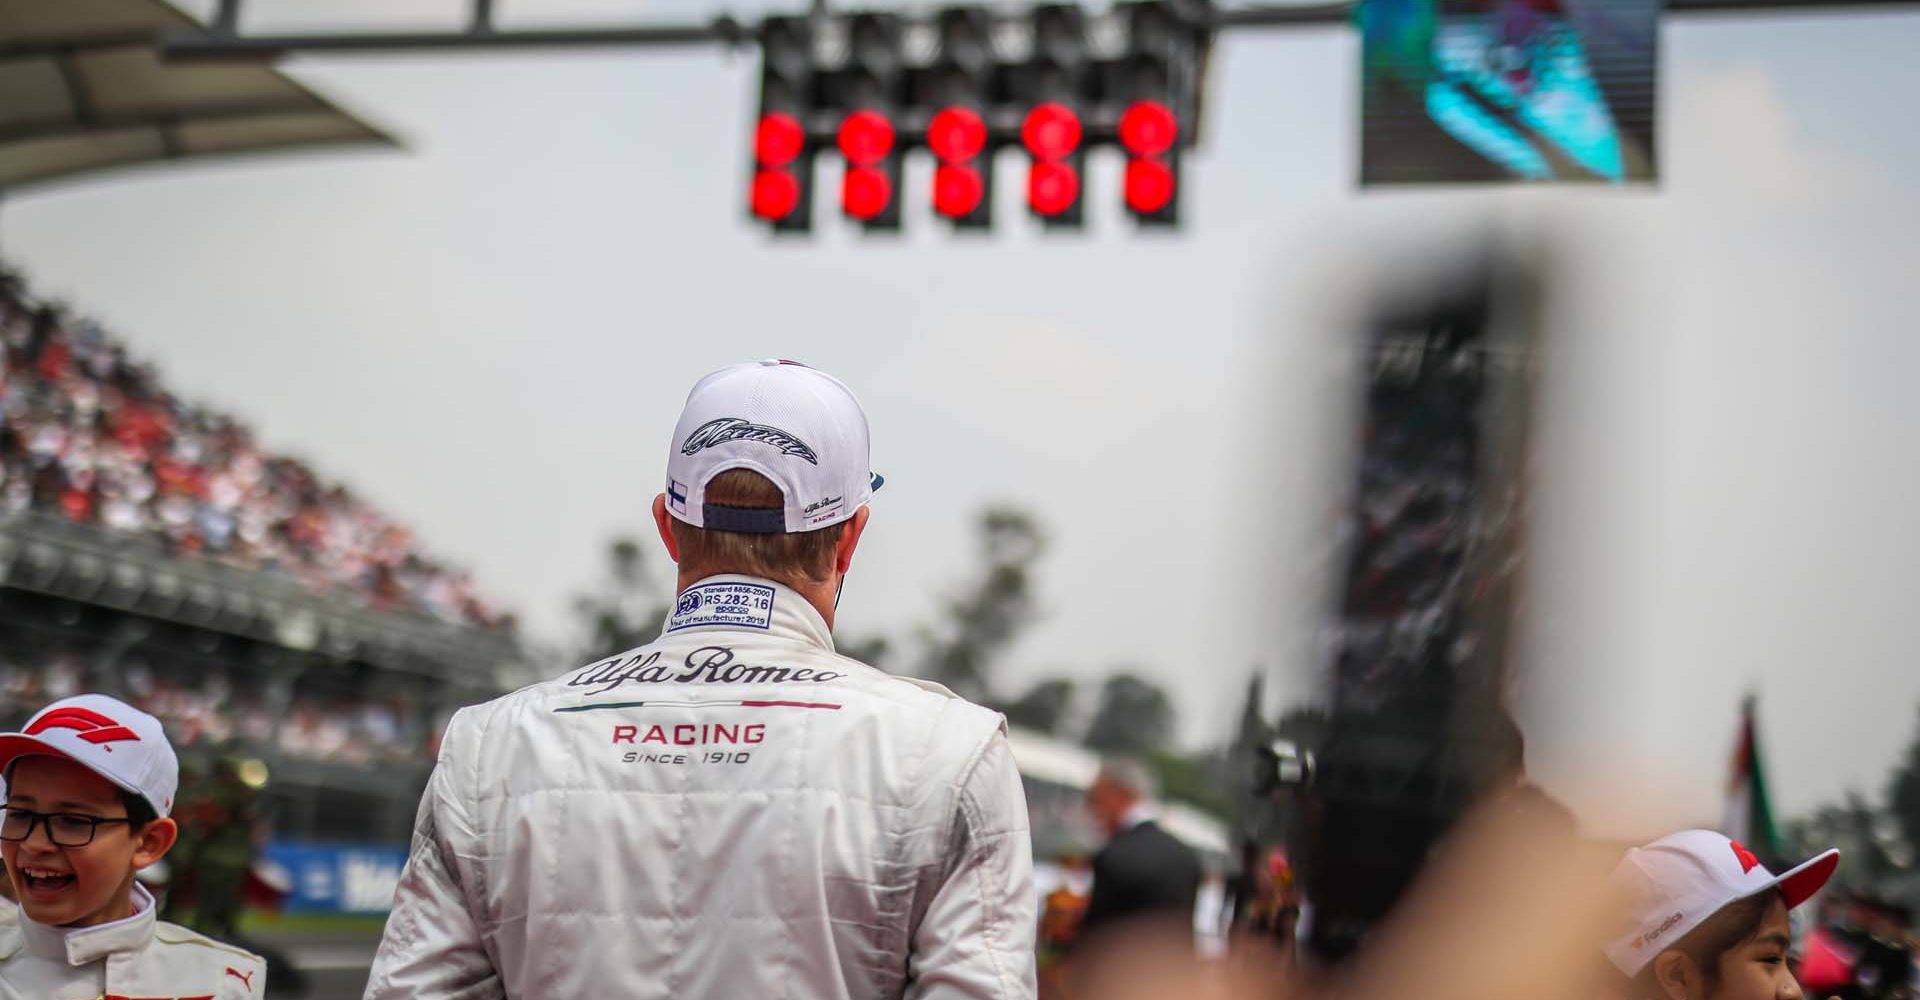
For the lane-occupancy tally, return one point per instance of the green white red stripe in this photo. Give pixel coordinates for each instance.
(1749, 810)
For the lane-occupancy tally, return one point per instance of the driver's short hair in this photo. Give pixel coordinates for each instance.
(790, 558)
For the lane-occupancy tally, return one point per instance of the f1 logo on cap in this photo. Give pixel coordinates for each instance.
(1747, 860)
(86, 723)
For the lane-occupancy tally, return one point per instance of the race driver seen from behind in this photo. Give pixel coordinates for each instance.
(734, 810)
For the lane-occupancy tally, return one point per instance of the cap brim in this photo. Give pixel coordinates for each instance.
(1801, 882)
(14, 746)
(876, 481)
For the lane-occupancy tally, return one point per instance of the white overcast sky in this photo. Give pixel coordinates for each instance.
(491, 332)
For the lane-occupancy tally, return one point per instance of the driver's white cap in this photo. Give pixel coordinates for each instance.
(797, 426)
(106, 736)
(1675, 883)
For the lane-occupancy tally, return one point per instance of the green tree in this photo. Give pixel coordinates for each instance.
(1305, 725)
(1903, 796)
(628, 607)
(982, 622)
(1134, 716)
(1867, 839)
(871, 650)
(1200, 780)
(1043, 707)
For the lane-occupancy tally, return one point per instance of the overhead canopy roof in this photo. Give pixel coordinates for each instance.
(83, 88)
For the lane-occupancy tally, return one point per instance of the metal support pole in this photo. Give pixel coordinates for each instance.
(226, 18)
(1341, 12)
(201, 45)
(225, 41)
(1304, 15)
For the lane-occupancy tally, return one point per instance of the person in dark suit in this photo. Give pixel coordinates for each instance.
(1143, 874)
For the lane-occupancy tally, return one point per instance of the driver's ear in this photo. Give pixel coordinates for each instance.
(850, 540)
(664, 522)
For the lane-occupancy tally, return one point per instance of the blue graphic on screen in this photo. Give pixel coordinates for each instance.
(1508, 90)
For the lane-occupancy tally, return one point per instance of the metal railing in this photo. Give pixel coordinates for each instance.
(135, 574)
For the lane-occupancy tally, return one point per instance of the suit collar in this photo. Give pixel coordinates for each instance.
(736, 603)
(77, 946)
(1140, 814)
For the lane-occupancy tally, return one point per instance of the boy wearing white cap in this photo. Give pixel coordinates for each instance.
(734, 809)
(1709, 921)
(89, 785)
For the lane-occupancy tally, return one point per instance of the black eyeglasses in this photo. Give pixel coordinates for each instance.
(64, 829)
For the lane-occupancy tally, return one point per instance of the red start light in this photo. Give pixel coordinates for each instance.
(1051, 131)
(956, 134)
(957, 190)
(866, 137)
(865, 192)
(776, 193)
(1052, 187)
(778, 139)
(1148, 128)
(1149, 186)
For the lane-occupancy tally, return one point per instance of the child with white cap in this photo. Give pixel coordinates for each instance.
(90, 782)
(1709, 921)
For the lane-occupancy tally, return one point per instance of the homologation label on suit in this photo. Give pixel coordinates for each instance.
(744, 605)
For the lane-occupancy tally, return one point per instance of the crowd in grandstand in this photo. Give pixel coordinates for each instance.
(89, 433)
(211, 712)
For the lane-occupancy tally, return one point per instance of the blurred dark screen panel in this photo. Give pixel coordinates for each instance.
(1419, 729)
(1468, 91)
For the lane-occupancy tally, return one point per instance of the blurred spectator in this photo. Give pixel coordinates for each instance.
(211, 712)
(1063, 904)
(1875, 941)
(1143, 872)
(89, 434)
(1266, 903)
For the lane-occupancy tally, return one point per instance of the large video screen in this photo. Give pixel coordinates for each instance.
(1466, 91)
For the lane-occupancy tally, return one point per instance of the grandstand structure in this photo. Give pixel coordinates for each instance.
(150, 550)
(88, 91)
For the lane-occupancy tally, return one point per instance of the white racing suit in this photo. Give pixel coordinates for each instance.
(139, 956)
(731, 812)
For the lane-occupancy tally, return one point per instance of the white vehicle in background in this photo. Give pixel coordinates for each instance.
(1057, 774)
